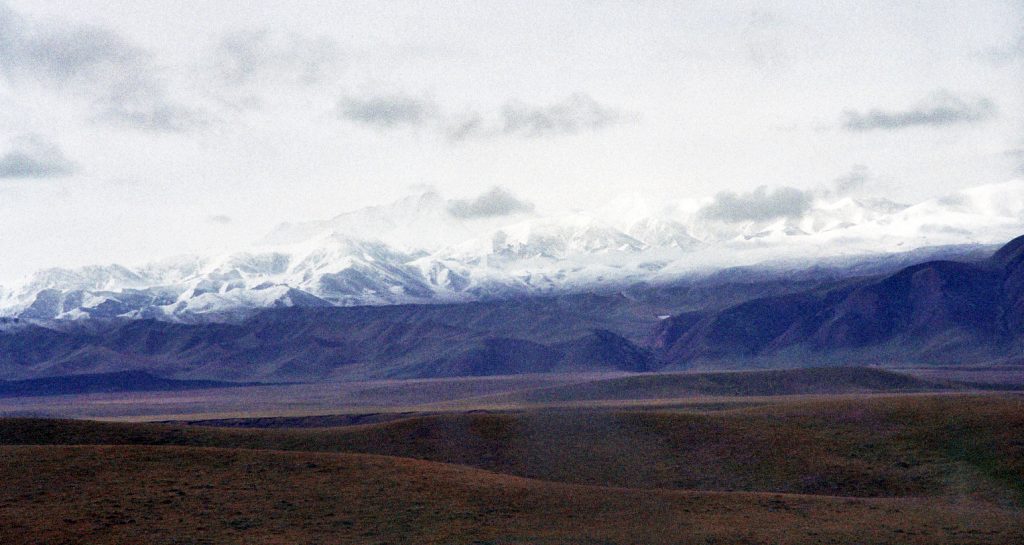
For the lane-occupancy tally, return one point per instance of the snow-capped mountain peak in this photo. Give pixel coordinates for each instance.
(421, 249)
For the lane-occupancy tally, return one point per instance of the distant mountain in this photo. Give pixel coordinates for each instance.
(943, 311)
(809, 381)
(125, 381)
(417, 250)
(938, 311)
(300, 344)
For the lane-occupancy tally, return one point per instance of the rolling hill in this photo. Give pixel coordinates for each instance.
(919, 469)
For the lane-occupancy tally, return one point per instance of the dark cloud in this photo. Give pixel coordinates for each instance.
(496, 202)
(577, 113)
(942, 109)
(852, 181)
(388, 110)
(257, 56)
(34, 157)
(119, 78)
(758, 205)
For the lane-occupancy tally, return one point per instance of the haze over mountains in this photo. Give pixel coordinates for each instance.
(426, 249)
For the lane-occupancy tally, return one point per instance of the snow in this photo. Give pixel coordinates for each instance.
(414, 250)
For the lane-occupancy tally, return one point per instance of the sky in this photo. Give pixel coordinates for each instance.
(131, 131)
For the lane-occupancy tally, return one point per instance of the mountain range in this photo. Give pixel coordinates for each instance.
(934, 312)
(964, 312)
(422, 250)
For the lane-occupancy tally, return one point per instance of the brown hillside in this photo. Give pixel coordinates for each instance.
(174, 495)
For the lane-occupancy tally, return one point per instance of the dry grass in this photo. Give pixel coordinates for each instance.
(184, 495)
(895, 469)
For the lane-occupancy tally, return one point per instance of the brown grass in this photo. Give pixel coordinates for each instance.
(186, 495)
(895, 469)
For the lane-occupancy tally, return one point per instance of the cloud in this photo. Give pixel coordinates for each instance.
(388, 111)
(1017, 156)
(852, 181)
(63, 54)
(495, 202)
(32, 156)
(1006, 54)
(153, 113)
(467, 126)
(253, 57)
(764, 46)
(940, 110)
(117, 77)
(575, 114)
(758, 205)
(945, 229)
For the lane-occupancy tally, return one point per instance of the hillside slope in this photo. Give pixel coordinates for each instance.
(942, 445)
(910, 469)
(169, 495)
(934, 312)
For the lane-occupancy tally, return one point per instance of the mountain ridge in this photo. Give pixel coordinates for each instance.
(936, 312)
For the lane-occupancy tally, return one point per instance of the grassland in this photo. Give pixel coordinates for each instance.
(904, 467)
(174, 495)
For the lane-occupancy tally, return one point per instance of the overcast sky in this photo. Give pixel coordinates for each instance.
(132, 130)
